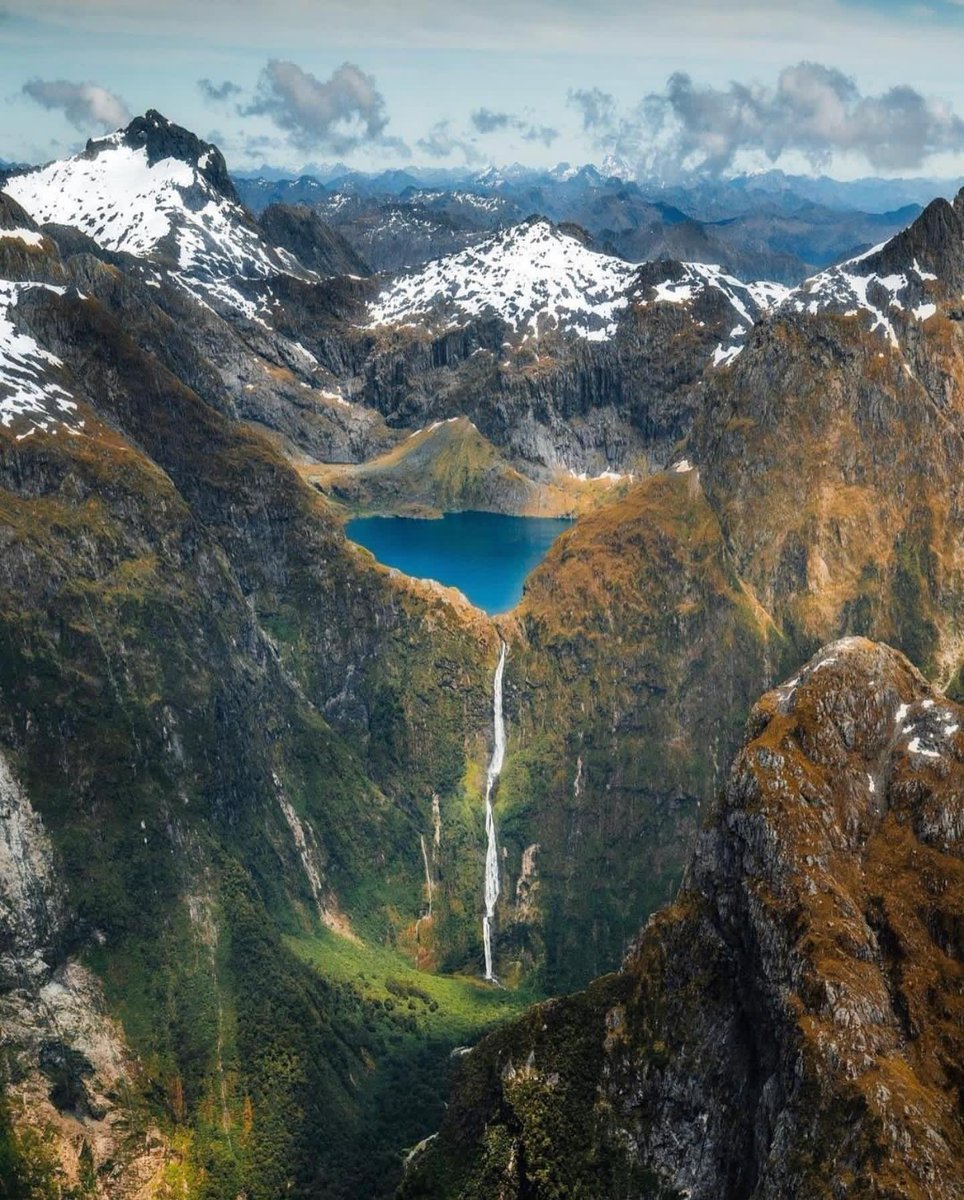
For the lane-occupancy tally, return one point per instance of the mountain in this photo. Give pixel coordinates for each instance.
(900, 281)
(299, 230)
(396, 236)
(791, 1025)
(265, 995)
(154, 205)
(531, 276)
(757, 226)
(564, 356)
(155, 191)
(536, 277)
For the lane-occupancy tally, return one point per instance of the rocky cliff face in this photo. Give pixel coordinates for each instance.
(221, 754)
(317, 246)
(66, 1062)
(791, 1026)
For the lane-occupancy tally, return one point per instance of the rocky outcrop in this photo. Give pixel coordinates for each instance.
(65, 1061)
(791, 1027)
(316, 245)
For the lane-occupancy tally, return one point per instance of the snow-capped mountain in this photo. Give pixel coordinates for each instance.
(156, 191)
(856, 287)
(536, 276)
(533, 276)
(898, 282)
(684, 283)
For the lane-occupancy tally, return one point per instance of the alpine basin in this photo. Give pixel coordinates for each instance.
(487, 556)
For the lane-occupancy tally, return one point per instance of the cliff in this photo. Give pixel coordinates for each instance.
(791, 1026)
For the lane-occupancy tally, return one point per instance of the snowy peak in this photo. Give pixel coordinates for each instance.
(156, 191)
(162, 139)
(533, 276)
(902, 280)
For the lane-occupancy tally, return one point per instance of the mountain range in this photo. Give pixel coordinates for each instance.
(771, 226)
(243, 765)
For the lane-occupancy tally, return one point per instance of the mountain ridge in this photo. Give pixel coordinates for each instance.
(788, 1026)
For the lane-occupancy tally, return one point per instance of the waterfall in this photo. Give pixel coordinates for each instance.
(492, 846)
(429, 885)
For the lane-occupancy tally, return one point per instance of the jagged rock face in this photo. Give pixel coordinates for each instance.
(792, 1026)
(636, 652)
(315, 244)
(398, 237)
(33, 920)
(65, 1060)
(856, 529)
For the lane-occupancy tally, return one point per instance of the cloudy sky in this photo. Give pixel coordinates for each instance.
(846, 87)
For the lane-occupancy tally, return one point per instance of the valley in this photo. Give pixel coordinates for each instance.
(298, 834)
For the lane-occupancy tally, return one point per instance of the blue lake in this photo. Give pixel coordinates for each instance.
(485, 555)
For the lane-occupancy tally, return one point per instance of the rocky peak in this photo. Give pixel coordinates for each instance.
(931, 245)
(163, 139)
(792, 1025)
(899, 283)
(158, 192)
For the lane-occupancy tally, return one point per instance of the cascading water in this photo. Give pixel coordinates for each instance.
(492, 846)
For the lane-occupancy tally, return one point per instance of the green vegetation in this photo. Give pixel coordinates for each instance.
(29, 1165)
(405, 1025)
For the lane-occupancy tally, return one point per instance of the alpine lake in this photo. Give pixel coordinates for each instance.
(487, 556)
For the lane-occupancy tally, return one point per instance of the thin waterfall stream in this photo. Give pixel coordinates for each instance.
(492, 845)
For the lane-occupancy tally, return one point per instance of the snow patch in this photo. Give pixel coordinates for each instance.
(29, 237)
(29, 398)
(528, 275)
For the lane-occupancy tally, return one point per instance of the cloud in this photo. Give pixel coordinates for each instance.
(540, 133)
(338, 114)
(813, 110)
(218, 92)
(487, 121)
(442, 141)
(484, 120)
(85, 105)
(598, 108)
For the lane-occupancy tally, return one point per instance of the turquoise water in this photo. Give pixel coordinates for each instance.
(485, 555)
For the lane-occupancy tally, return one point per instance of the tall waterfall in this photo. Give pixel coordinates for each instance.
(492, 846)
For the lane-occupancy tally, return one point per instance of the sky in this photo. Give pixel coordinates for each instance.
(840, 87)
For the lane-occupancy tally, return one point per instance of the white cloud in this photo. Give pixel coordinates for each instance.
(813, 110)
(339, 113)
(86, 106)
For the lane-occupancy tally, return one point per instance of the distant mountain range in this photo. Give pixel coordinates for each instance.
(770, 226)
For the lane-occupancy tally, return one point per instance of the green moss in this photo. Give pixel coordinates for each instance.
(29, 1167)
